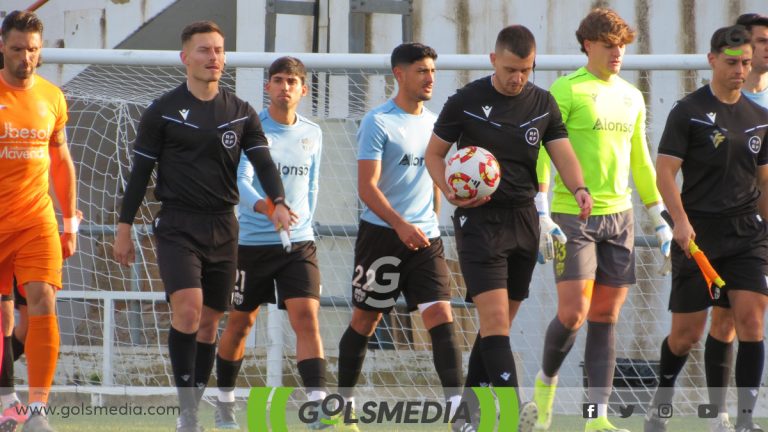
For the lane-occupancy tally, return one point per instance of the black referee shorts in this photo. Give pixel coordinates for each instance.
(497, 248)
(198, 250)
(736, 246)
(384, 267)
(264, 269)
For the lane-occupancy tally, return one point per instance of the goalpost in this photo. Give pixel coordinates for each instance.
(114, 319)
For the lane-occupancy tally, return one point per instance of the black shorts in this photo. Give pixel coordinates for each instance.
(737, 247)
(264, 269)
(15, 297)
(497, 248)
(384, 267)
(198, 250)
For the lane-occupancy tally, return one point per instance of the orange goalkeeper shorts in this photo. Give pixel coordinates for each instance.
(33, 255)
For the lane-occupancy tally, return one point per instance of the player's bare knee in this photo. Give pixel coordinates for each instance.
(304, 321)
(749, 326)
(436, 314)
(364, 322)
(572, 319)
(682, 342)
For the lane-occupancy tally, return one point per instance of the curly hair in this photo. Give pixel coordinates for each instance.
(604, 25)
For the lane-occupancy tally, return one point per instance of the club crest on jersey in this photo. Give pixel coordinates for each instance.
(307, 144)
(487, 110)
(532, 136)
(717, 138)
(754, 143)
(229, 139)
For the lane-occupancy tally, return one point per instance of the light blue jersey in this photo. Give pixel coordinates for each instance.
(399, 140)
(296, 152)
(760, 98)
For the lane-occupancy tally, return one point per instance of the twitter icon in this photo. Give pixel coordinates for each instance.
(626, 411)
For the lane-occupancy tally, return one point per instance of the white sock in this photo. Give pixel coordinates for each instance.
(226, 396)
(546, 379)
(602, 410)
(454, 401)
(316, 395)
(8, 400)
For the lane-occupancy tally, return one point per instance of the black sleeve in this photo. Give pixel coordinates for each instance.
(674, 140)
(256, 149)
(136, 188)
(555, 127)
(449, 123)
(151, 132)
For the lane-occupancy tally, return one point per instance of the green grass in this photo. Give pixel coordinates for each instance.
(561, 423)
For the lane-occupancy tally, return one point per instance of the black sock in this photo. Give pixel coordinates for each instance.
(352, 349)
(226, 373)
(18, 347)
(477, 376)
(749, 371)
(447, 358)
(557, 344)
(499, 361)
(670, 366)
(312, 372)
(6, 370)
(205, 356)
(718, 357)
(182, 348)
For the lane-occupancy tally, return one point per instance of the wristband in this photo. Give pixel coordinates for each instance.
(71, 225)
(584, 188)
(281, 200)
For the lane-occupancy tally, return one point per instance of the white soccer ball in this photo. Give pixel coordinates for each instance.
(473, 172)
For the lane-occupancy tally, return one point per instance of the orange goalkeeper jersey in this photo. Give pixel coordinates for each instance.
(28, 118)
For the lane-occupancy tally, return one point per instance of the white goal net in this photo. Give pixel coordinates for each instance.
(114, 319)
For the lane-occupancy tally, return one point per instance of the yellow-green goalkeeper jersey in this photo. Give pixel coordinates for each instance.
(606, 126)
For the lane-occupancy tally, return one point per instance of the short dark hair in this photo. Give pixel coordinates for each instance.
(604, 25)
(752, 19)
(22, 21)
(516, 39)
(729, 37)
(289, 65)
(411, 52)
(199, 27)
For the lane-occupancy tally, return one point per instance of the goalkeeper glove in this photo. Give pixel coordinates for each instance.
(549, 230)
(663, 234)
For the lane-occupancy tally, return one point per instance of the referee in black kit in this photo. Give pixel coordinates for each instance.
(195, 134)
(497, 237)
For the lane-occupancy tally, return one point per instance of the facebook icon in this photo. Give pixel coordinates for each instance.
(589, 410)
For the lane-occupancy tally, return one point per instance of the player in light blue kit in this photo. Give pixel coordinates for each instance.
(264, 263)
(398, 247)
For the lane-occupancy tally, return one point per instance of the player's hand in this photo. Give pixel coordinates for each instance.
(69, 240)
(122, 249)
(584, 201)
(663, 231)
(282, 218)
(265, 206)
(411, 236)
(550, 232)
(465, 202)
(683, 234)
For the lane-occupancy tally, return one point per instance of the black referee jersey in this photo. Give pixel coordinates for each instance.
(721, 146)
(197, 145)
(510, 127)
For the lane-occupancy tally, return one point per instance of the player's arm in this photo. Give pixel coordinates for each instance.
(434, 158)
(569, 168)
(314, 177)
(644, 176)
(65, 187)
(368, 174)
(436, 199)
(666, 170)
(146, 152)
(256, 149)
(762, 183)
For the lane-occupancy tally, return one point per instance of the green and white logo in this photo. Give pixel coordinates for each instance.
(268, 410)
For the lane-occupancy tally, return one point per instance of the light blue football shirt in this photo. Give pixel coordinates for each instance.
(760, 98)
(296, 150)
(399, 140)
